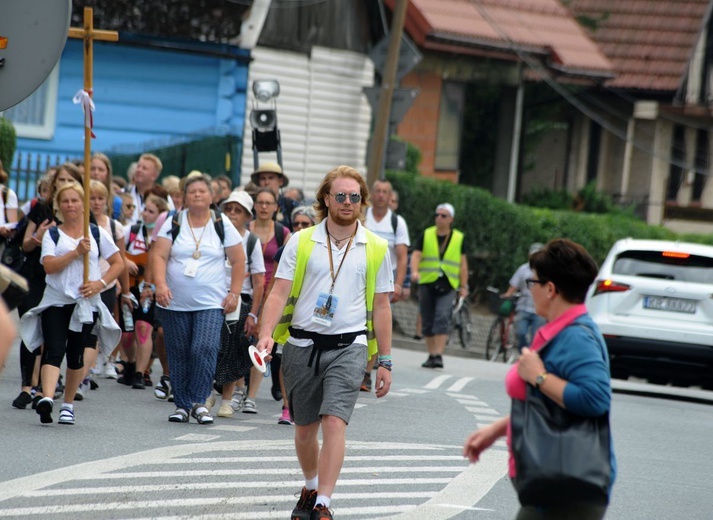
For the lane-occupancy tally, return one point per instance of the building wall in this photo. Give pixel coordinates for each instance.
(144, 95)
(420, 124)
(322, 112)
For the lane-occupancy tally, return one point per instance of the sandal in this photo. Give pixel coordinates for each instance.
(180, 415)
(201, 414)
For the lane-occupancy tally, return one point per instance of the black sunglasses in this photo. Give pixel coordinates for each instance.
(442, 215)
(341, 198)
(531, 281)
(301, 224)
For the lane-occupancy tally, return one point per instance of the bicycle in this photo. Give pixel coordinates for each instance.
(461, 324)
(501, 336)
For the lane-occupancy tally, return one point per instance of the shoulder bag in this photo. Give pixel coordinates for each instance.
(560, 458)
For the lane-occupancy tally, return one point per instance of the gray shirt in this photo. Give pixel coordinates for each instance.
(525, 302)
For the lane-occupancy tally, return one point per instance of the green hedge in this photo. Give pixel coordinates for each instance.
(8, 143)
(499, 233)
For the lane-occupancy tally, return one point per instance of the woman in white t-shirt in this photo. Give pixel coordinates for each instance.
(70, 308)
(188, 268)
(233, 360)
(8, 205)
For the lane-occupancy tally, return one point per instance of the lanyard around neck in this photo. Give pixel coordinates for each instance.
(331, 261)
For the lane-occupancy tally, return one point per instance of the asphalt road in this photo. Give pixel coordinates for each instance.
(124, 460)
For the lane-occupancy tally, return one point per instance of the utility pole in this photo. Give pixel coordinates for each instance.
(379, 139)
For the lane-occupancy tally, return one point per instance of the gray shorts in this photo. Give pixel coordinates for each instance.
(332, 391)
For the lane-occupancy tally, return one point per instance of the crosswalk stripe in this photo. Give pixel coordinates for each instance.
(484, 410)
(414, 390)
(264, 460)
(460, 384)
(199, 501)
(196, 437)
(437, 381)
(342, 511)
(266, 471)
(197, 486)
(231, 428)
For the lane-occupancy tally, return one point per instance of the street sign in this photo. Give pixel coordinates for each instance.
(409, 57)
(396, 155)
(400, 103)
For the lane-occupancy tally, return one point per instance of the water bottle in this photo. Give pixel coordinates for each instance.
(146, 305)
(128, 317)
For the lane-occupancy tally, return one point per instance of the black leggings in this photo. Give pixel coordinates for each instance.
(27, 358)
(59, 340)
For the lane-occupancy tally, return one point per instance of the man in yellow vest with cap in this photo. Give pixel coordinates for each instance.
(440, 267)
(330, 307)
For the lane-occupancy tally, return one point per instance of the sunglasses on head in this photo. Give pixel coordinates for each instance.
(341, 197)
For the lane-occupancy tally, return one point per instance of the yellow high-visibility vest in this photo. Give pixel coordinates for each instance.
(376, 248)
(431, 265)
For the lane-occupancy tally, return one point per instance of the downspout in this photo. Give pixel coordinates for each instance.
(628, 152)
(517, 129)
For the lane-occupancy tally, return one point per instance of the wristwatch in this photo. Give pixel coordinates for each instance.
(539, 380)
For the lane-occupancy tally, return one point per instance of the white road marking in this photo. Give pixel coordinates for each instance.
(460, 384)
(414, 390)
(359, 405)
(196, 437)
(484, 410)
(347, 458)
(436, 382)
(229, 428)
(196, 486)
(398, 394)
(463, 491)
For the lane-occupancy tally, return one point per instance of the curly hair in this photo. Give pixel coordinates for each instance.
(325, 187)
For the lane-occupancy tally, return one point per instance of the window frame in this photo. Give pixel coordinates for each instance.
(45, 130)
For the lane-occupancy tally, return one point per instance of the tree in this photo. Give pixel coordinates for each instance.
(204, 20)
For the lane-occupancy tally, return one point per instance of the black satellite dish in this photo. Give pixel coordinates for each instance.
(32, 37)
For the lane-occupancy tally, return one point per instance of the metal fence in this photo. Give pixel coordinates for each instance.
(28, 167)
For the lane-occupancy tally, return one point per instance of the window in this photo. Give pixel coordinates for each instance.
(35, 116)
(449, 126)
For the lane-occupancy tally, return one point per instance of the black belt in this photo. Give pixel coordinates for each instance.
(324, 342)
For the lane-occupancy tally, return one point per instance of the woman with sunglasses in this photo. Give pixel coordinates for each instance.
(440, 267)
(303, 217)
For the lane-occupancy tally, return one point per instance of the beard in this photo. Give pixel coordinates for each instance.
(340, 220)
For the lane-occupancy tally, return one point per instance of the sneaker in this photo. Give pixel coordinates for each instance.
(22, 400)
(138, 383)
(429, 362)
(66, 415)
(437, 361)
(226, 409)
(110, 371)
(147, 379)
(320, 512)
(79, 395)
(44, 410)
(366, 384)
(93, 385)
(163, 388)
(305, 504)
(36, 400)
(240, 394)
(249, 405)
(276, 392)
(285, 417)
(236, 403)
(59, 389)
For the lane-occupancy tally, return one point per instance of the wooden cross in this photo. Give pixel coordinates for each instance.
(89, 34)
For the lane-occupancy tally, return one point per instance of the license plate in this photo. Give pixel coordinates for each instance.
(670, 304)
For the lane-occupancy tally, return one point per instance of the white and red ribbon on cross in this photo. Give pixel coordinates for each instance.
(84, 98)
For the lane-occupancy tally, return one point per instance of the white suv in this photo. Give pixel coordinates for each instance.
(653, 301)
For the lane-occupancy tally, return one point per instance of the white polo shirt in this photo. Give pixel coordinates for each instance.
(349, 289)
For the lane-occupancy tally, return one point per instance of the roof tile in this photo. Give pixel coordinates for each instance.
(540, 25)
(649, 42)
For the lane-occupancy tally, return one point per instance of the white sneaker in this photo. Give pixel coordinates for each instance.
(236, 404)
(249, 405)
(110, 371)
(210, 402)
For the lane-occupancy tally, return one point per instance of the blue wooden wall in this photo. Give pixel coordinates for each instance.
(145, 95)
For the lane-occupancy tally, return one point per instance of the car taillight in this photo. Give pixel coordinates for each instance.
(607, 286)
(675, 254)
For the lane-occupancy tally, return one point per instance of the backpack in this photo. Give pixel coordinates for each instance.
(12, 256)
(279, 234)
(250, 246)
(134, 230)
(215, 215)
(93, 228)
(394, 222)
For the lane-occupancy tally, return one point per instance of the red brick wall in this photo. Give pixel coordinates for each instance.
(420, 124)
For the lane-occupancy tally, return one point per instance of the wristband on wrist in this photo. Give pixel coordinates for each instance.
(103, 282)
(384, 358)
(253, 316)
(386, 364)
